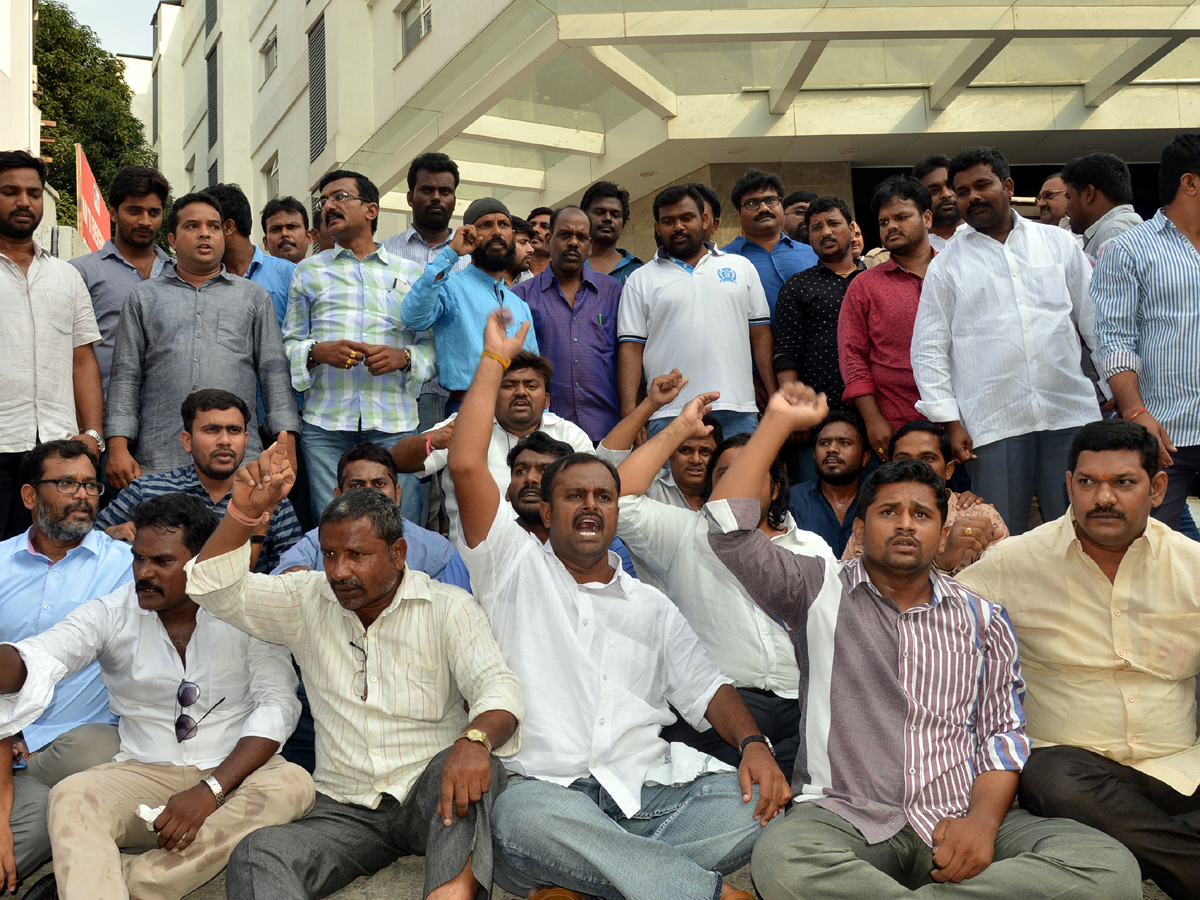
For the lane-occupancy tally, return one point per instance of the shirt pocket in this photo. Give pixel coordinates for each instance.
(233, 331)
(633, 667)
(418, 690)
(1048, 289)
(600, 335)
(1170, 644)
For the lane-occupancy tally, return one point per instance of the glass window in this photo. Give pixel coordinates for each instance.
(416, 21)
(270, 55)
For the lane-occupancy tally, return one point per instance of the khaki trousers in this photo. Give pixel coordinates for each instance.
(92, 817)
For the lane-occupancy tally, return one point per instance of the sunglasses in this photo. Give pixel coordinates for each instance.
(187, 695)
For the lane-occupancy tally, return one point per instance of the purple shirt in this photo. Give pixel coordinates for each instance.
(581, 342)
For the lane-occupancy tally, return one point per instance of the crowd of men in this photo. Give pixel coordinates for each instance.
(868, 569)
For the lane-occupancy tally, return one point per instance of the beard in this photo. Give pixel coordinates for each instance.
(10, 229)
(486, 257)
(61, 528)
(841, 479)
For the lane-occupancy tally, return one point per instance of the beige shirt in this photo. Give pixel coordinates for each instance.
(46, 313)
(427, 652)
(1110, 667)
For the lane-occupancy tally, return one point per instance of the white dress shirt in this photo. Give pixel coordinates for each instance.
(558, 428)
(254, 681)
(938, 243)
(430, 650)
(599, 664)
(995, 343)
(749, 646)
(47, 314)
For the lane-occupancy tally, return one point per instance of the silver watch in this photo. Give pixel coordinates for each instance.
(217, 790)
(97, 437)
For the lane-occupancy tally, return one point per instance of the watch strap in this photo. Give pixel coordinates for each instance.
(755, 739)
(478, 736)
(217, 791)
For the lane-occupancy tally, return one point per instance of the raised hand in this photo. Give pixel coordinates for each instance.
(694, 412)
(259, 485)
(798, 405)
(666, 388)
(465, 240)
(496, 339)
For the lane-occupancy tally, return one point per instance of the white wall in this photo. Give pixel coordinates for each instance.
(20, 119)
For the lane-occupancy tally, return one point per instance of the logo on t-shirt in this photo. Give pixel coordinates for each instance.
(727, 274)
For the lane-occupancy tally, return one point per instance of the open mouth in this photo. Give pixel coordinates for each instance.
(589, 525)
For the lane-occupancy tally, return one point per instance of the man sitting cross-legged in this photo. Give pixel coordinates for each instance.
(912, 738)
(602, 804)
(203, 709)
(391, 660)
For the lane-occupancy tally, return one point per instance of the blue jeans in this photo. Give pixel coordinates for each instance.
(732, 422)
(323, 449)
(577, 837)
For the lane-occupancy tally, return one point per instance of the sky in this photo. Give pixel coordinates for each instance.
(123, 25)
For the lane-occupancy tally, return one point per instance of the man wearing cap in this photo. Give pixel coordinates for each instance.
(457, 304)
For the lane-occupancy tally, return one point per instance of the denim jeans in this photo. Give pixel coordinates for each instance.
(679, 843)
(323, 449)
(732, 422)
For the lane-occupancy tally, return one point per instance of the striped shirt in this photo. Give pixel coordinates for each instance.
(900, 711)
(430, 650)
(337, 296)
(1147, 288)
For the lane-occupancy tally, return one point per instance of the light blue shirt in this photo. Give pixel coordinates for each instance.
(35, 595)
(456, 308)
(274, 275)
(775, 267)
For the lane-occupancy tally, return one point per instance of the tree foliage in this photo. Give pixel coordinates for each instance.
(84, 91)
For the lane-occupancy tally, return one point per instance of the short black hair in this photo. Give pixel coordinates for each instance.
(1105, 172)
(778, 510)
(851, 418)
(207, 399)
(1180, 157)
(431, 162)
(798, 197)
(974, 156)
(563, 463)
(370, 452)
(33, 463)
(19, 159)
(138, 181)
(283, 204)
(539, 211)
(234, 205)
(1115, 434)
(929, 428)
(828, 204)
(541, 443)
(562, 209)
(675, 194)
(927, 164)
(366, 503)
(755, 180)
(176, 510)
(718, 430)
(539, 364)
(602, 189)
(902, 471)
(187, 200)
(710, 197)
(366, 188)
(522, 226)
(901, 187)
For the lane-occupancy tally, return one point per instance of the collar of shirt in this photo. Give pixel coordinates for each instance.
(110, 251)
(891, 265)
(170, 272)
(90, 544)
(485, 279)
(1019, 223)
(1116, 212)
(662, 256)
(380, 253)
(412, 236)
(739, 244)
(856, 574)
(547, 278)
(1069, 537)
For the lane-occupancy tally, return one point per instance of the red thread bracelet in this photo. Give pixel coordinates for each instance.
(245, 519)
(1138, 413)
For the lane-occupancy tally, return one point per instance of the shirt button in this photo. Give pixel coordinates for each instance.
(601, 721)
(905, 654)
(575, 339)
(195, 359)
(1117, 613)
(1131, 700)
(374, 680)
(1133, 739)
(605, 678)
(912, 727)
(585, 621)
(912, 771)
(374, 752)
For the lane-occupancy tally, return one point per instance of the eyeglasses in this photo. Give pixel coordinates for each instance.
(360, 653)
(185, 726)
(1047, 196)
(71, 486)
(339, 198)
(755, 202)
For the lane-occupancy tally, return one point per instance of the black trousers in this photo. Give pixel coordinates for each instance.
(14, 517)
(1159, 825)
(778, 717)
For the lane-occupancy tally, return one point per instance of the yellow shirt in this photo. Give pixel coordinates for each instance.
(1109, 666)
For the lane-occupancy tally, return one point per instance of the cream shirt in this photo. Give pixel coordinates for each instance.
(1110, 667)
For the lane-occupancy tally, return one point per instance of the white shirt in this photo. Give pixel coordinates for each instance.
(697, 321)
(141, 668)
(430, 650)
(558, 428)
(938, 243)
(995, 343)
(598, 663)
(748, 645)
(47, 313)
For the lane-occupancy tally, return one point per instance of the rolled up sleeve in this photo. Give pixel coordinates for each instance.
(1003, 745)
(264, 606)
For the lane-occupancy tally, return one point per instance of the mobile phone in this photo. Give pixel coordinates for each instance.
(19, 764)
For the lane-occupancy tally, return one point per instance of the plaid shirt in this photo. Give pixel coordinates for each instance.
(336, 296)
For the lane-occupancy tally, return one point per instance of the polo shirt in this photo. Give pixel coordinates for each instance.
(697, 320)
(775, 266)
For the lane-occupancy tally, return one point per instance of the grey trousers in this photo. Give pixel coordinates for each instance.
(816, 853)
(83, 747)
(31, 839)
(327, 849)
(1007, 473)
(1179, 482)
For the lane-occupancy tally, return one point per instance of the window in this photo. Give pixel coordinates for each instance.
(272, 174)
(210, 16)
(318, 128)
(416, 21)
(212, 98)
(270, 55)
(154, 107)
(212, 175)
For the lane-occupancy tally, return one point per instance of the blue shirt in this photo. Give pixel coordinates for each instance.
(812, 512)
(456, 308)
(38, 594)
(274, 275)
(626, 267)
(1147, 292)
(784, 260)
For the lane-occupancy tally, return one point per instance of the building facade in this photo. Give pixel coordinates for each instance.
(20, 118)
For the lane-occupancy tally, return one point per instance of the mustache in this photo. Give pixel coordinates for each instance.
(978, 206)
(144, 584)
(1105, 511)
(346, 582)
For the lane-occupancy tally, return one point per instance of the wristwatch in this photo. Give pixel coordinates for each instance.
(478, 736)
(756, 739)
(96, 436)
(217, 790)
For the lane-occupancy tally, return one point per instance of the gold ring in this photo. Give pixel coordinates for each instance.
(967, 531)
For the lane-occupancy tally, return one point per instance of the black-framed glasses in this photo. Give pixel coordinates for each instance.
(339, 197)
(1047, 196)
(71, 486)
(360, 654)
(187, 695)
(755, 202)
